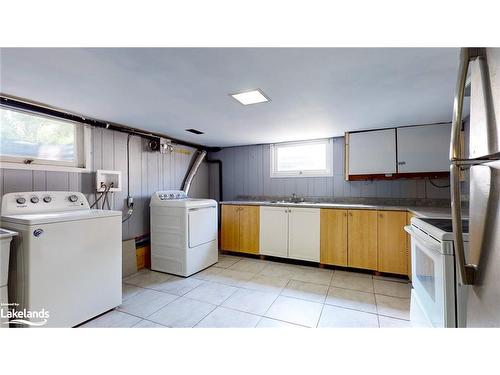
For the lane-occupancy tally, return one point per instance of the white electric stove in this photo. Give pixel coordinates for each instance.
(437, 298)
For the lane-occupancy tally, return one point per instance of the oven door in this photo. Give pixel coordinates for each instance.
(433, 280)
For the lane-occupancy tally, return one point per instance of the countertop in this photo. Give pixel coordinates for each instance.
(429, 212)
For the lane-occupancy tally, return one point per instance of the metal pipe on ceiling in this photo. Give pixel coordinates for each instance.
(36, 107)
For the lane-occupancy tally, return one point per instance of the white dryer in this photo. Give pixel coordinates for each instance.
(66, 263)
(183, 233)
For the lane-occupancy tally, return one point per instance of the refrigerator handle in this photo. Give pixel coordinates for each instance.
(467, 271)
(458, 102)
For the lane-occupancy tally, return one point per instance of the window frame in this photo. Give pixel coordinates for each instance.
(302, 173)
(82, 150)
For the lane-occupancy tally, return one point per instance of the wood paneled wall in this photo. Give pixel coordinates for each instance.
(149, 172)
(246, 171)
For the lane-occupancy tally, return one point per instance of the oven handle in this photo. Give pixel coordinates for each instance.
(433, 246)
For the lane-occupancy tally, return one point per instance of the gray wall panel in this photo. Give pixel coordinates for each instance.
(149, 172)
(17, 180)
(246, 171)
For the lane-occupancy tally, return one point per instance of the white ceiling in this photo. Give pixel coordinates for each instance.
(314, 92)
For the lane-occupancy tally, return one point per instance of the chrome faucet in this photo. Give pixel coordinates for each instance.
(295, 199)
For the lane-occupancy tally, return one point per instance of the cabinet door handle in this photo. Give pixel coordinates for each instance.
(350, 213)
(381, 216)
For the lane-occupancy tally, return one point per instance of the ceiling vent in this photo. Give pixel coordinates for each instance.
(195, 131)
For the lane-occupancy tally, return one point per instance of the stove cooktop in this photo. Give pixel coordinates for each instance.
(445, 224)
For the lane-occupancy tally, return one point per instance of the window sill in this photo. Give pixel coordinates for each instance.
(44, 167)
(300, 175)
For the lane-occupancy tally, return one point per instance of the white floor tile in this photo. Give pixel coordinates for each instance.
(222, 317)
(362, 284)
(112, 319)
(249, 265)
(179, 285)
(208, 274)
(386, 322)
(129, 290)
(183, 312)
(340, 273)
(314, 275)
(391, 288)
(273, 323)
(352, 299)
(233, 278)
(148, 324)
(145, 303)
(266, 284)
(226, 261)
(280, 270)
(338, 317)
(295, 310)
(393, 306)
(252, 301)
(304, 290)
(210, 292)
(147, 279)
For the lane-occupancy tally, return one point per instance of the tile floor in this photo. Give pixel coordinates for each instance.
(243, 292)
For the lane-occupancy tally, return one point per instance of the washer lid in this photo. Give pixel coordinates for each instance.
(59, 217)
(4, 233)
(183, 203)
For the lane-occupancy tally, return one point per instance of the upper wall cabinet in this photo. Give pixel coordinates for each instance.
(371, 152)
(424, 148)
(411, 151)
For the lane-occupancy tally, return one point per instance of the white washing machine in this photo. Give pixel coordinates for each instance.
(183, 233)
(5, 238)
(66, 263)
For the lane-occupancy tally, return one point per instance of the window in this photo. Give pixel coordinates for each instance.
(302, 159)
(35, 141)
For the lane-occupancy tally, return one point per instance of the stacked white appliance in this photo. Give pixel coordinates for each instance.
(66, 260)
(183, 233)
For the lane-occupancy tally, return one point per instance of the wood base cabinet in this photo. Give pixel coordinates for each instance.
(240, 228)
(362, 239)
(392, 255)
(333, 237)
(274, 231)
(304, 234)
(290, 232)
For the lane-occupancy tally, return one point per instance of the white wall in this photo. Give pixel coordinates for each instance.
(246, 172)
(149, 172)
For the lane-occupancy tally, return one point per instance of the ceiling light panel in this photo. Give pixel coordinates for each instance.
(250, 97)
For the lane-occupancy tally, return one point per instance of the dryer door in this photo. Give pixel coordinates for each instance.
(202, 225)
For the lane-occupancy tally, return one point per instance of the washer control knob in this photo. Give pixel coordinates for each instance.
(73, 198)
(47, 199)
(21, 200)
(34, 200)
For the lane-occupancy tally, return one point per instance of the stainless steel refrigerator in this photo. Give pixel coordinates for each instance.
(479, 268)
